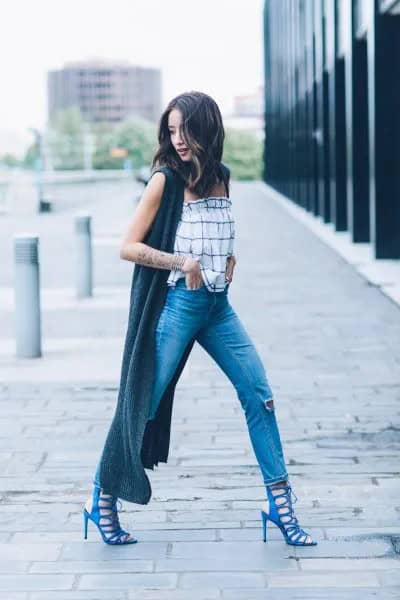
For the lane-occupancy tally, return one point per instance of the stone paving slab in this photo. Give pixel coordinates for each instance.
(331, 347)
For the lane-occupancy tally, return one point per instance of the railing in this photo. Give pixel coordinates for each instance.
(20, 188)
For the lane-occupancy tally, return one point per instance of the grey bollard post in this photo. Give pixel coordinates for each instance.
(84, 286)
(27, 296)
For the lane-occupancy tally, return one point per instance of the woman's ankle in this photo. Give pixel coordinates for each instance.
(278, 484)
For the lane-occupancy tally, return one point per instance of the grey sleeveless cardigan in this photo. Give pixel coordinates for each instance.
(135, 442)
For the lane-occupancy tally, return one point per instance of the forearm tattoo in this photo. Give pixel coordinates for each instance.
(151, 257)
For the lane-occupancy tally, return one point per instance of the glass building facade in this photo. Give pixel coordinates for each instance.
(332, 113)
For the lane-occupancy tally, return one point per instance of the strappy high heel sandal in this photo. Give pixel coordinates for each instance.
(104, 514)
(292, 532)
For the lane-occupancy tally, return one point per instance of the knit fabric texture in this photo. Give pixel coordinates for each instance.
(135, 442)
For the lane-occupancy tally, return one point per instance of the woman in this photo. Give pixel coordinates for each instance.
(200, 269)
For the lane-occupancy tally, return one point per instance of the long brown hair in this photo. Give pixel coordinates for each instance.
(204, 134)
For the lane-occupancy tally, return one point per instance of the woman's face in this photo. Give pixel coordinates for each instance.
(174, 127)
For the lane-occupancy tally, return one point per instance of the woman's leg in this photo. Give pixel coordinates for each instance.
(183, 313)
(228, 343)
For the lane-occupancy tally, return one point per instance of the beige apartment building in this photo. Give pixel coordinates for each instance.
(105, 90)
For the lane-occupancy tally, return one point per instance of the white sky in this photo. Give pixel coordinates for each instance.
(214, 46)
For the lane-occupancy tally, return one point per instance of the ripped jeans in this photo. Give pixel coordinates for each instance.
(210, 318)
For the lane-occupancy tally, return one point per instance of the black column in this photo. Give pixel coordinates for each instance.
(319, 168)
(359, 210)
(342, 95)
(385, 207)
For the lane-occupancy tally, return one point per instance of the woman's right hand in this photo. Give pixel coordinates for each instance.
(193, 276)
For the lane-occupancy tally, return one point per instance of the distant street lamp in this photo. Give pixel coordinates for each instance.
(38, 163)
(88, 149)
(44, 204)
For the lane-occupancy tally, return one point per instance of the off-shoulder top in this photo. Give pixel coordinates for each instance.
(206, 232)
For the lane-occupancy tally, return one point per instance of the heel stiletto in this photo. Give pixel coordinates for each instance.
(111, 525)
(292, 532)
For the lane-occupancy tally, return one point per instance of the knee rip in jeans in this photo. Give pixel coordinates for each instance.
(269, 404)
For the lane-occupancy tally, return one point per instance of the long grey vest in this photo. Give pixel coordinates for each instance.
(135, 442)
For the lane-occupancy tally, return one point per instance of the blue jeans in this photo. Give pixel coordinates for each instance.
(210, 318)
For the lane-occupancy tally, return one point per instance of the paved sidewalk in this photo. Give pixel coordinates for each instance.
(330, 345)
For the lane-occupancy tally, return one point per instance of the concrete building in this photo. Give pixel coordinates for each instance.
(247, 113)
(249, 105)
(105, 90)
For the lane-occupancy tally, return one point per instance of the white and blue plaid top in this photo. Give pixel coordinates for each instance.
(206, 232)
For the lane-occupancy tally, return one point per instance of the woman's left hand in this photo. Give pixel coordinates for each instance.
(230, 265)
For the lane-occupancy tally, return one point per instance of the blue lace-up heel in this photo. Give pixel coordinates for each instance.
(109, 527)
(285, 520)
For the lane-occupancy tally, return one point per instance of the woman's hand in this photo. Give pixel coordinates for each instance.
(193, 276)
(230, 265)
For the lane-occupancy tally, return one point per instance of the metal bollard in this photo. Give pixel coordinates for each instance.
(27, 296)
(84, 286)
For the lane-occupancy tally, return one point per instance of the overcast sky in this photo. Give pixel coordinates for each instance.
(210, 45)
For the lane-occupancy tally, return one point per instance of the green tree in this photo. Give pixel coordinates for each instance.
(136, 135)
(31, 155)
(243, 153)
(68, 121)
(65, 138)
(9, 160)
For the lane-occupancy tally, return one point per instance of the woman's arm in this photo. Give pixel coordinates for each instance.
(132, 247)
